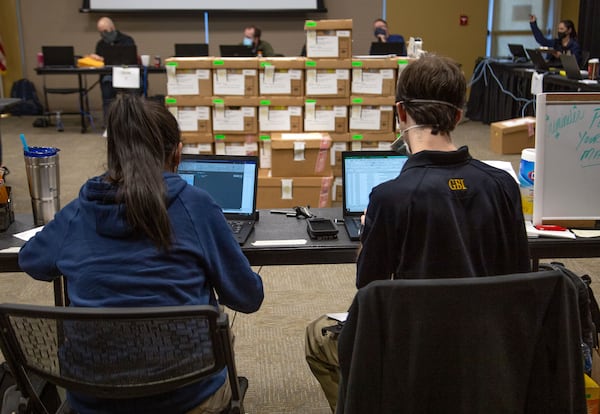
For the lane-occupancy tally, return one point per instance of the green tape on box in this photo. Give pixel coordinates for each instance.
(219, 137)
(357, 64)
(265, 64)
(311, 101)
(218, 62)
(357, 137)
(172, 64)
(403, 61)
(311, 63)
(218, 101)
(170, 100)
(265, 138)
(310, 23)
(357, 100)
(265, 102)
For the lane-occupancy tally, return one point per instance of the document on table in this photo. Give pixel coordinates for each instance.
(339, 316)
(28, 234)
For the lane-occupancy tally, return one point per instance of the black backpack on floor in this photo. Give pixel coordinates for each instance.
(24, 89)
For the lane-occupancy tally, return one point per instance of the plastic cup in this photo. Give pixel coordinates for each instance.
(593, 68)
(43, 178)
(145, 60)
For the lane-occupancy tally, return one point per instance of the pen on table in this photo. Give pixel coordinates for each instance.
(550, 227)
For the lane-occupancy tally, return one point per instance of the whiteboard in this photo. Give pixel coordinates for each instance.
(245, 5)
(567, 157)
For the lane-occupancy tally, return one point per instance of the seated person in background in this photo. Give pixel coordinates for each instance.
(565, 42)
(110, 37)
(382, 34)
(259, 47)
(446, 215)
(140, 236)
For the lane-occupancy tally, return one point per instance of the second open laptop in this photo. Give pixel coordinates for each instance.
(58, 56)
(539, 61)
(235, 51)
(232, 182)
(191, 49)
(120, 55)
(571, 67)
(392, 48)
(361, 171)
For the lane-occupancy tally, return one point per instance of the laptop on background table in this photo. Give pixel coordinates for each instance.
(539, 61)
(361, 171)
(231, 180)
(235, 51)
(191, 49)
(571, 67)
(518, 52)
(120, 55)
(58, 56)
(392, 48)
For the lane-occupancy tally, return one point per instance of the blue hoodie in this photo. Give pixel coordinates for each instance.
(106, 264)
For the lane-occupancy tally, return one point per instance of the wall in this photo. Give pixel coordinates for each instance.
(10, 40)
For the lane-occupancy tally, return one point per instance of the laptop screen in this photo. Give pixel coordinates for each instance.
(393, 48)
(120, 55)
(58, 55)
(235, 51)
(363, 170)
(230, 180)
(191, 49)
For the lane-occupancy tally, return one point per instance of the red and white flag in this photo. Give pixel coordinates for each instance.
(2, 58)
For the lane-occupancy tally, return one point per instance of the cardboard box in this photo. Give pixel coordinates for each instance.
(329, 38)
(197, 143)
(339, 144)
(592, 395)
(281, 76)
(287, 192)
(235, 76)
(327, 78)
(282, 114)
(326, 115)
(300, 155)
(235, 115)
(372, 141)
(513, 135)
(235, 144)
(371, 114)
(374, 76)
(194, 118)
(189, 76)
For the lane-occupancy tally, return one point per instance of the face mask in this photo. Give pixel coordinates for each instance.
(247, 41)
(380, 31)
(109, 37)
(562, 35)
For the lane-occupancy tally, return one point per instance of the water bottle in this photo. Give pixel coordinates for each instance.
(526, 178)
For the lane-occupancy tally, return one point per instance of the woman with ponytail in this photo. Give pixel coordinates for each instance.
(138, 236)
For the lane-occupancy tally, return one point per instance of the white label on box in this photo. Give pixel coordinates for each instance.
(263, 111)
(279, 83)
(231, 120)
(275, 120)
(356, 146)
(220, 147)
(230, 84)
(322, 84)
(310, 110)
(387, 73)
(384, 146)
(197, 148)
(265, 154)
(269, 73)
(322, 121)
(336, 147)
(343, 74)
(341, 111)
(187, 119)
(235, 148)
(183, 84)
(295, 110)
(174, 111)
(249, 72)
(203, 113)
(286, 188)
(337, 182)
(322, 46)
(251, 147)
(248, 111)
(367, 119)
(126, 77)
(369, 82)
(299, 150)
(343, 33)
(295, 74)
(203, 74)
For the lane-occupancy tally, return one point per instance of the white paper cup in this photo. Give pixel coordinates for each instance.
(145, 60)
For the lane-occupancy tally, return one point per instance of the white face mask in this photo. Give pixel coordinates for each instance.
(247, 41)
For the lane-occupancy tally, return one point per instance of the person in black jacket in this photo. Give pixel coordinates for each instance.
(110, 37)
(446, 215)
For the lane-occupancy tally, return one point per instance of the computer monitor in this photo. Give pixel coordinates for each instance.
(393, 48)
(236, 51)
(191, 49)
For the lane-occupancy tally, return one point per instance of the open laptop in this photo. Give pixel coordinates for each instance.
(393, 48)
(571, 67)
(232, 181)
(58, 56)
(539, 61)
(235, 51)
(518, 52)
(191, 49)
(361, 171)
(120, 55)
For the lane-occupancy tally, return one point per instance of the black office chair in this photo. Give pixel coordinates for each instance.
(472, 345)
(116, 353)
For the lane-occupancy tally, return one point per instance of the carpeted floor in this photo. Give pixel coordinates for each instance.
(269, 343)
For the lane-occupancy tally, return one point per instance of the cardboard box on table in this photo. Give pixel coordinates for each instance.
(189, 76)
(513, 135)
(197, 143)
(371, 114)
(193, 118)
(235, 76)
(328, 38)
(235, 115)
(281, 76)
(327, 78)
(290, 191)
(300, 155)
(374, 76)
(326, 115)
(236, 144)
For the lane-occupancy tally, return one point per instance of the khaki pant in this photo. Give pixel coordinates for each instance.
(322, 357)
(216, 402)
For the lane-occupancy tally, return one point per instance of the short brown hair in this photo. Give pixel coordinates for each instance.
(435, 78)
